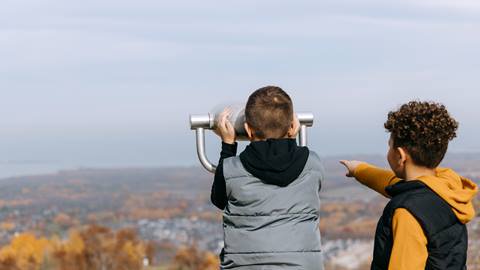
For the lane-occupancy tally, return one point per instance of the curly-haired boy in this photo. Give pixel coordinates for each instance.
(423, 225)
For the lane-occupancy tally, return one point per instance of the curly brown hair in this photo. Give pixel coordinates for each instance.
(424, 129)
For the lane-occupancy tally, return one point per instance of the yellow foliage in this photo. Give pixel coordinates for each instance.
(25, 252)
(98, 247)
(190, 258)
(94, 247)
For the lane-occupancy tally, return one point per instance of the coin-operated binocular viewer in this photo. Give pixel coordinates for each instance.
(202, 122)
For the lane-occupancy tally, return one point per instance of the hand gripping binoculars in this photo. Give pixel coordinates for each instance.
(202, 122)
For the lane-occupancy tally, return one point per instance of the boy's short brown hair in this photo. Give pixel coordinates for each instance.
(269, 112)
(424, 129)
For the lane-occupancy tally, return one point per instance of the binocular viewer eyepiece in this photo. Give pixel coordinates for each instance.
(202, 122)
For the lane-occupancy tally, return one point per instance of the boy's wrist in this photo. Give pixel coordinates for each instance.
(229, 144)
(229, 149)
(228, 141)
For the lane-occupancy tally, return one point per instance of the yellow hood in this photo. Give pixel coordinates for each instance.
(456, 190)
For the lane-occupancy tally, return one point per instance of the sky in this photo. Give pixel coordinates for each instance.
(112, 83)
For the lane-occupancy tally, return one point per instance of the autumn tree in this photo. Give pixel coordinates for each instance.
(191, 258)
(25, 252)
(99, 248)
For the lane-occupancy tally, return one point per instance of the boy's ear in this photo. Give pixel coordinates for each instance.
(294, 127)
(403, 156)
(248, 130)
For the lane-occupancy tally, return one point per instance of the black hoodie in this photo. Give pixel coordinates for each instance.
(274, 161)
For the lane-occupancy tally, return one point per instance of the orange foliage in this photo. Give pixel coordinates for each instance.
(92, 248)
(25, 252)
(349, 219)
(64, 220)
(146, 207)
(190, 258)
(99, 248)
(7, 226)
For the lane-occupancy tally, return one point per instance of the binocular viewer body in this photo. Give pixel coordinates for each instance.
(202, 122)
(210, 120)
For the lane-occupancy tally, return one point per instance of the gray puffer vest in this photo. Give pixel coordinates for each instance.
(272, 227)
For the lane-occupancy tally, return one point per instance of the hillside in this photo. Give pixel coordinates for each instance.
(171, 207)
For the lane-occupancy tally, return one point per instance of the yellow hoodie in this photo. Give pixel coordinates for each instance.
(409, 249)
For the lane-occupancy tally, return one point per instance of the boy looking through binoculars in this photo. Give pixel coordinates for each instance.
(269, 194)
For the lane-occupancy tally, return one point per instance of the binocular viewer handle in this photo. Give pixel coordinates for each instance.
(202, 122)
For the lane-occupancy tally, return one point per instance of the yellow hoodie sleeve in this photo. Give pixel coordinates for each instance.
(375, 178)
(409, 249)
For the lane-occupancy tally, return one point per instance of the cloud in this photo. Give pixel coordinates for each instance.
(98, 68)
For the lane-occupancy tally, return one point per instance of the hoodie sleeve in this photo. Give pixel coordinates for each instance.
(219, 188)
(375, 178)
(409, 249)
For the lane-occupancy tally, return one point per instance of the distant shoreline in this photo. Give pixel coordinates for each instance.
(12, 169)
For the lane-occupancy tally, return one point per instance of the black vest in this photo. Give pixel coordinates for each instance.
(447, 236)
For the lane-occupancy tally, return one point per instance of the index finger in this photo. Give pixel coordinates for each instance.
(344, 162)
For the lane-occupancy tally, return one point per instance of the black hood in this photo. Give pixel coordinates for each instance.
(275, 161)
